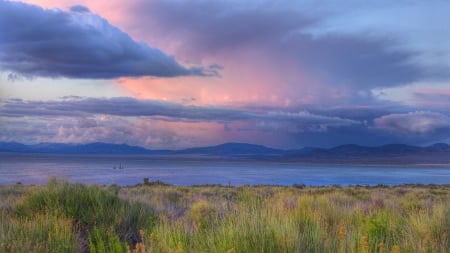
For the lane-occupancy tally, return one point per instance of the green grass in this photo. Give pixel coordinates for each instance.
(100, 221)
(41, 233)
(154, 217)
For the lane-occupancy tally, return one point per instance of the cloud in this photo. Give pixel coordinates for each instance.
(79, 8)
(111, 129)
(130, 107)
(217, 26)
(119, 106)
(203, 28)
(77, 44)
(156, 123)
(432, 97)
(418, 122)
(357, 61)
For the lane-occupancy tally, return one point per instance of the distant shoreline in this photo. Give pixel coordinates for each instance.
(164, 184)
(356, 162)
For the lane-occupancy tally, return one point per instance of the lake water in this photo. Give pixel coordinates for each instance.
(37, 169)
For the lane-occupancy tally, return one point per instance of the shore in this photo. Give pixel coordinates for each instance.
(155, 217)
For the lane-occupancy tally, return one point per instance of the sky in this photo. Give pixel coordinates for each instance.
(186, 73)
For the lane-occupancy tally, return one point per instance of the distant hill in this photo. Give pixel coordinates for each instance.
(350, 153)
(231, 149)
(60, 148)
(351, 150)
(226, 149)
(438, 153)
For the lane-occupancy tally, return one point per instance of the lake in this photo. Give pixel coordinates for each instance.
(38, 168)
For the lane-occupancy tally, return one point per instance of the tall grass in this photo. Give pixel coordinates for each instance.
(279, 219)
(89, 207)
(41, 233)
(163, 218)
(101, 221)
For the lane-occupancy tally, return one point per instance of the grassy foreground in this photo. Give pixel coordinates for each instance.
(152, 217)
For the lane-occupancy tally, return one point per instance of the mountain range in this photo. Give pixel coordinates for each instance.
(438, 153)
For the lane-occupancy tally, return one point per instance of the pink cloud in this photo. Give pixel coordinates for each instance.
(112, 10)
(248, 78)
(266, 59)
(426, 96)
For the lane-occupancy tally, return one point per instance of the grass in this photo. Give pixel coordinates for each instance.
(90, 218)
(154, 217)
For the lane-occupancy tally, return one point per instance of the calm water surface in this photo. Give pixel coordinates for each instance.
(37, 169)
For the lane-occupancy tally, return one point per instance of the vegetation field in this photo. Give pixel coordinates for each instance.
(154, 217)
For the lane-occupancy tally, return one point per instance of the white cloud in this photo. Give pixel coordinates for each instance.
(418, 122)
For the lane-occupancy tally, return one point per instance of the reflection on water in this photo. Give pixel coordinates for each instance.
(37, 169)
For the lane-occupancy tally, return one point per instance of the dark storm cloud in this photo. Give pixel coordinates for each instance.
(366, 136)
(360, 61)
(130, 107)
(216, 25)
(77, 44)
(338, 136)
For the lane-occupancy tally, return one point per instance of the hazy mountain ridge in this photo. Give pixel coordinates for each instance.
(69, 148)
(231, 149)
(397, 153)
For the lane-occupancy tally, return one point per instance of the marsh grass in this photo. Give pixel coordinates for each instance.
(155, 217)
